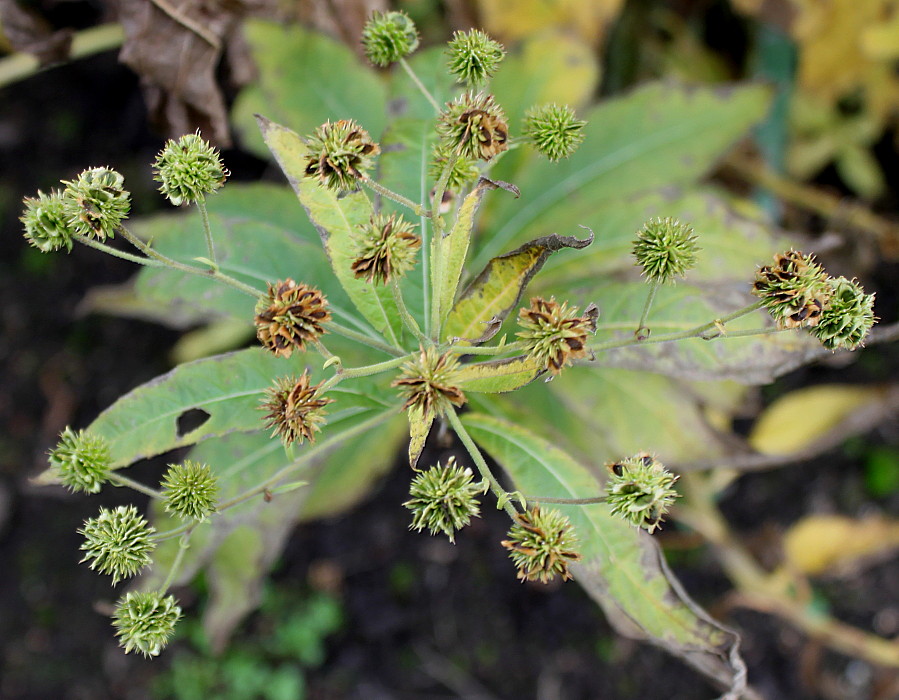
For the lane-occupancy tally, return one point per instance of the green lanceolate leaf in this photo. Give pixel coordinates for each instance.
(451, 249)
(499, 376)
(337, 220)
(419, 427)
(621, 567)
(494, 292)
(306, 78)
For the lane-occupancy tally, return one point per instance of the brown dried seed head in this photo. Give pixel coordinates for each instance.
(386, 246)
(555, 334)
(290, 316)
(428, 383)
(295, 410)
(474, 125)
(795, 289)
(541, 544)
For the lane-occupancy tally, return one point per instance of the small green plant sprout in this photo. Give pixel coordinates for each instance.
(81, 461)
(542, 544)
(96, 203)
(444, 499)
(640, 489)
(554, 334)
(389, 37)
(46, 222)
(340, 155)
(118, 542)
(474, 126)
(190, 490)
(554, 130)
(847, 317)
(144, 621)
(291, 315)
(296, 410)
(474, 57)
(386, 248)
(188, 170)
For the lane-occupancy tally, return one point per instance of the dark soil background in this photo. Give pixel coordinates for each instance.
(422, 618)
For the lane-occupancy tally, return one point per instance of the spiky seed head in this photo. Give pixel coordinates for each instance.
(848, 316)
(144, 621)
(388, 36)
(640, 489)
(81, 461)
(340, 153)
(46, 223)
(428, 383)
(291, 315)
(795, 289)
(386, 246)
(541, 544)
(555, 334)
(190, 490)
(473, 125)
(665, 249)
(464, 169)
(189, 169)
(117, 542)
(444, 499)
(473, 57)
(555, 130)
(96, 203)
(295, 409)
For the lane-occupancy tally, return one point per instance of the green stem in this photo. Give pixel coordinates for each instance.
(364, 339)
(420, 85)
(395, 196)
(307, 455)
(207, 231)
(641, 326)
(364, 371)
(567, 501)
(136, 485)
(183, 546)
(696, 332)
(769, 330)
(408, 319)
(190, 269)
(118, 253)
(481, 463)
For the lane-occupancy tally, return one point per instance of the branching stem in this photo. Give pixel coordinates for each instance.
(420, 85)
(135, 485)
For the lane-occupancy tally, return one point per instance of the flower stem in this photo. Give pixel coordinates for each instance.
(641, 326)
(364, 371)
(420, 85)
(183, 546)
(135, 485)
(481, 463)
(395, 196)
(567, 501)
(207, 231)
(364, 339)
(408, 320)
(118, 253)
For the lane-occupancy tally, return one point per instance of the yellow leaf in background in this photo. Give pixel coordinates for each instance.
(509, 20)
(822, 543)
(799, 419)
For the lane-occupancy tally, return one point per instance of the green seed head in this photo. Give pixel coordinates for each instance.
(542, 544)
(46, 223)
(145, 621)
(428, 383)
(190, 490)
(665, 249)
(463, 173)
(473, 57)
(189, 169)
(795, 290)
(81, 460)
(847, 318)
(96, 203)
(340, 153)
(117, 542)
(554, 130)
(389, 36)
(640, 490)
(554, 334)
(444, 499)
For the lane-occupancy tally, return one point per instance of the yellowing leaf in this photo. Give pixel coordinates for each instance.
(797, 420)
(821, 543)
(499, 376)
